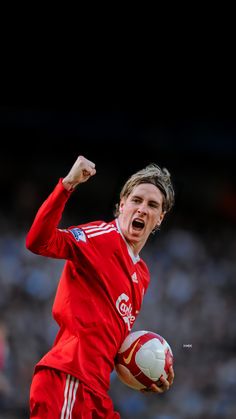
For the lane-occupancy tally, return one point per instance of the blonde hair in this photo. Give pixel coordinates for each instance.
(155, 175)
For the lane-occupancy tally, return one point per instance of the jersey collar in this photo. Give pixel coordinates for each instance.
(134, 258)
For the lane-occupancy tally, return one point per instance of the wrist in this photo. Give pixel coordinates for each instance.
(69, 185)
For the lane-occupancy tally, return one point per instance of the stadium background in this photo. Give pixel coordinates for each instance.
(191, 300)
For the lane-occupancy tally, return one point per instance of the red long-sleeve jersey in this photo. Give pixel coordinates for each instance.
(99, 294)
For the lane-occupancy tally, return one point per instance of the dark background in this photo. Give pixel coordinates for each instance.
(39, 144)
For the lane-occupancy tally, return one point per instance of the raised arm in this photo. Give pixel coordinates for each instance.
(44, 238)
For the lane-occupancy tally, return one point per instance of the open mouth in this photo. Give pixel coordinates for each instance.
(138, 224)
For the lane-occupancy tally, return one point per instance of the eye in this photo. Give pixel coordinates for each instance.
(153, 205)
(136, 200)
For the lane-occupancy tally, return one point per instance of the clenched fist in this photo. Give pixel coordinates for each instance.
(80, 172)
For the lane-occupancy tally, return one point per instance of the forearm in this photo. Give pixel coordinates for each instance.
(47, 219)
(44, 228)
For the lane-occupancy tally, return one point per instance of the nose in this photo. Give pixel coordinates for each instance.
(142, 209)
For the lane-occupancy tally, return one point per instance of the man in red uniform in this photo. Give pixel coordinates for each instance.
(99, 294)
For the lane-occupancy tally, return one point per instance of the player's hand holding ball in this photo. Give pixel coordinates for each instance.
(145, 362)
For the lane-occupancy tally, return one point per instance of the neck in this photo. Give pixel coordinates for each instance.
(135, 248)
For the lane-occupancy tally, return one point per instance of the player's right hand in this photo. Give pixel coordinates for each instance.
(163, 385)
(80, 172)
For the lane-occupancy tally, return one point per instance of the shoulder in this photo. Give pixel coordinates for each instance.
(143, 269)
(98, 228)
(142, 265)
(95, 229)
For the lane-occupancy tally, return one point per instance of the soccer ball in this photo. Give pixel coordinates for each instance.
(142, 359)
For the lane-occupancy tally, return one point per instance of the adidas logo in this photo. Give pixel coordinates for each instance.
(134, 277)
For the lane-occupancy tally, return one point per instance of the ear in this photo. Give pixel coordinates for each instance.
(162, 215)
(121, 206)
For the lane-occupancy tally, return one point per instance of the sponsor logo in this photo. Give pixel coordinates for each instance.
(128, 358)
(78, 234)
(125, 310)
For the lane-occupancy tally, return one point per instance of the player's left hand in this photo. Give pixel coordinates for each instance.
(163, 384)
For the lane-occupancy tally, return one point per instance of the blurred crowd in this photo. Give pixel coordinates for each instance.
(191, 302)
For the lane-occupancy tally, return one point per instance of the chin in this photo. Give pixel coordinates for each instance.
(136, 234)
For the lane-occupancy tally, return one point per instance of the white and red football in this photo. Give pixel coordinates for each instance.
(143, 358)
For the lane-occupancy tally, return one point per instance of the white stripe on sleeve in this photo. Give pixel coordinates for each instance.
(71, 387)
(98, 233)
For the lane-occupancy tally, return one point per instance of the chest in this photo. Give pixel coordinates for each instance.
(125, 281)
